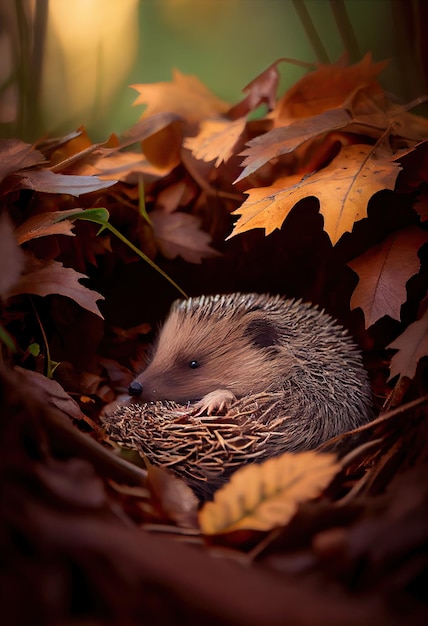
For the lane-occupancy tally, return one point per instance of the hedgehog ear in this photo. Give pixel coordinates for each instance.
(262, 333)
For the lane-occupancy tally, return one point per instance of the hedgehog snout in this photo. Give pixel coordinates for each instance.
(135, 389)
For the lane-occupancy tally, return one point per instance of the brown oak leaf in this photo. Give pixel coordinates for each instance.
(326, 88)
(51, 277)
(180, 234)
(44, 224)
(384, 271)
(285, 139)
(412, 345)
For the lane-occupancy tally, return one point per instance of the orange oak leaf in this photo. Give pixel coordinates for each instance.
(384, 271)
(216, 139)
(343, 189)
(326, 88)
(51, 277)
(412, 345)
(285, 139)
(184, 95)
(180, 234)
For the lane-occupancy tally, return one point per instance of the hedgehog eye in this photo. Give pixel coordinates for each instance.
(194, 364)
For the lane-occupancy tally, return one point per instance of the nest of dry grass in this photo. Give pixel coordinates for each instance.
(202, 450)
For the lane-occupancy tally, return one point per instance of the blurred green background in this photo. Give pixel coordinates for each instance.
(68, 63)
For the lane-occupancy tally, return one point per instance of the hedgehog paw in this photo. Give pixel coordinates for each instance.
(218, 401)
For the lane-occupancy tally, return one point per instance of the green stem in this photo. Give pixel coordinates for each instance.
(141, 254)
(101, 216)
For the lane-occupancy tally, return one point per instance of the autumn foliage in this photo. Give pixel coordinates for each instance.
(320, 193)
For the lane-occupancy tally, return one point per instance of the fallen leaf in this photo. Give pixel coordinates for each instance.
(163, 149)
(51, 277)
(49, 182)
(176, 500)
(412, 345)
(127, 167)
(45, 224)
(179, 234)
(175, 195)
(326, 88)
(12, 258)
(185, 95)
(80, 156)
(148, 126)
(265, 496)
(383, 271)
(343, 189)
(54, 393)
(15, 155)
(216, 139)
(77, 147)
(285, 139)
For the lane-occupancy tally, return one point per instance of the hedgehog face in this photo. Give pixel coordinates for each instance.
(198, 355)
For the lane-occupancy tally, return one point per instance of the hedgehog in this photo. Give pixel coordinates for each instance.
(214, 350)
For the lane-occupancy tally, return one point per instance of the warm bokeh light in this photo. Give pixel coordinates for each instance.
(90, 48)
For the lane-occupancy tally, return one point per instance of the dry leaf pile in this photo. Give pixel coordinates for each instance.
(335, 173)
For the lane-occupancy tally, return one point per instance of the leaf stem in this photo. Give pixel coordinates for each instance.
(141, 254)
